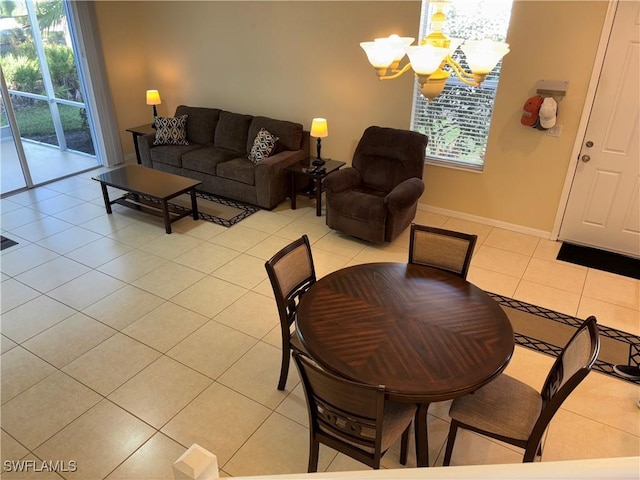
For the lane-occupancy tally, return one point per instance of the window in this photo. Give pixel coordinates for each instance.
(458, 121)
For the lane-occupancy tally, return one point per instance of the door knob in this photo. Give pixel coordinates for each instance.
(589, 144)
(585, 158)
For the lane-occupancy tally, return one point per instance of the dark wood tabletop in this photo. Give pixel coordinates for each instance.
(425, 334)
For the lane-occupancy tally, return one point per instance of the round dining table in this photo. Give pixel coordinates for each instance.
(427, 335)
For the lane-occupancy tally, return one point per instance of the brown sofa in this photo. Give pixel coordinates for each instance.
(217, 154)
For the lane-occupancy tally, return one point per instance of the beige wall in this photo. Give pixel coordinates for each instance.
(297, 60)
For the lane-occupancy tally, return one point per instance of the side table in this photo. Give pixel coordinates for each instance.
(145, 129)
(315, 180)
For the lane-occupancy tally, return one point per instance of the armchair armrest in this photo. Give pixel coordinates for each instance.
(340, 180)
(404, 194)
(145, 142)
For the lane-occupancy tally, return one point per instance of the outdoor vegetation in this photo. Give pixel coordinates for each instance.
(23, 72)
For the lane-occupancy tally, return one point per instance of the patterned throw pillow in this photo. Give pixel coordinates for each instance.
(263, 145)
(171, 131)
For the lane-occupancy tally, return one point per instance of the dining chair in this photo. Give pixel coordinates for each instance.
(352, 418)
(291, 272)
(440, 248)
(513, 412)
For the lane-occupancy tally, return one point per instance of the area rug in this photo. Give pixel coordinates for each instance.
(218, 210)
(6, 242)
(546, 331)
(600, 259)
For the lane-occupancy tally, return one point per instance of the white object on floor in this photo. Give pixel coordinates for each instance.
(196, 463)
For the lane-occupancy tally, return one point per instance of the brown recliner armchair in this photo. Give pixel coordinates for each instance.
(377, 198)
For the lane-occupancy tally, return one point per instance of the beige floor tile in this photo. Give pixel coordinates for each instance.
(326, 262)
(253, 314)
(29, 197)
(614, 316)
(137, 233)
(165, 326)
(98, 441)
(52, 274)
(110, 364)
(99, 252)
(548, 297)
(382, 253)
(10, 448)
(19, 217)
(86, 289)
(168, 280)
(268, 247)
(341, 245)
(6, 344)
(612, 288)
(556, 274)
(171, 246)
(132, 265)
(35, 415)
(220, 420)
(274, 337)
(69, 339)
(491, 281)
(474, 449)
(574, 437)
(294, 406)
(107, 224)
(68, 240)
(279, 446)
(501, 261)
(240, 238)
(201, 229)
(80, 213)
(15, 294)
(20, 370)
(264, 288)
(160, 391)
(343, 463)
(123, 307)
(26, 321)
(424, 217)
(256, 375)
(299, 227)
(15, 262)
(245, 270)
(465, 226)
(212, 349)
(512, 241)
(43, 228)
(548, 250)
(152, 461)
(529, 367)
(209, 296)
(206, 257)
(265, 221)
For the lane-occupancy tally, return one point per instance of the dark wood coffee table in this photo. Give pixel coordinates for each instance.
(425, 334)
(157, 185)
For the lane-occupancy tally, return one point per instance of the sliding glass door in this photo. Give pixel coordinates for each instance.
(45, 94)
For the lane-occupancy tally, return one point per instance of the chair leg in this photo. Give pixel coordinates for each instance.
(531, 451)
(450, 441)
(284, 368)
(314, 448)
(404, 445)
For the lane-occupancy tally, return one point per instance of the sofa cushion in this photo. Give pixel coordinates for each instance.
(171, 154)
(201, 124)
(240, 169)
(263, 145)
(171, 131)
(206, 159)
(232, 132)
(288, 133)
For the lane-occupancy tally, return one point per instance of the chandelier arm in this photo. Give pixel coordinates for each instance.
(403, 70)
(460, 72)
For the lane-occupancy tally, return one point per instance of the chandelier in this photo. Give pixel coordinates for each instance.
(433, 53)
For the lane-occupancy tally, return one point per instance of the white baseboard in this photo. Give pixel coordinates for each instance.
(486, 221)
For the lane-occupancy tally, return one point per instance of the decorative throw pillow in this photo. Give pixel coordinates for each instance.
(263, 145)
(171, 131)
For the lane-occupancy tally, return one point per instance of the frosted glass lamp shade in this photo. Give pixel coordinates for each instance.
(426, 59)
(483, 55)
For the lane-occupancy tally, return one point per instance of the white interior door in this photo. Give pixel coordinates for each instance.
(603, 209)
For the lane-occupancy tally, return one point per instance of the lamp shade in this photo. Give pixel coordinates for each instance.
(319, 128)
(426, 59)
(380, 54)
(153, 97)
(484, 55)
(395, 44)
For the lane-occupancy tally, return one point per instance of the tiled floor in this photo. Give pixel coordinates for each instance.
(122, 346)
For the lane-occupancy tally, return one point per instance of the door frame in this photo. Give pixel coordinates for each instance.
(590, 97)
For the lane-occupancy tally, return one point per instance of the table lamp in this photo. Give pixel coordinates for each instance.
(319, 130)
(153, 98)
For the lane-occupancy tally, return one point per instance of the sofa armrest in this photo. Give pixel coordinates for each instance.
(271, 178)
(340, 180)
(145, 142)
(404, 194)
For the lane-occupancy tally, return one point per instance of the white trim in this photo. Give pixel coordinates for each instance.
(584, 119)
(486, 221)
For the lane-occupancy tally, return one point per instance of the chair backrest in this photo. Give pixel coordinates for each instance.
(386, 157)
(347, 415)
(570, 368)
(291, 272)
(440, 248)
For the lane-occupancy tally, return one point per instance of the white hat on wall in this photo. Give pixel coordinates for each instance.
(548, 111)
